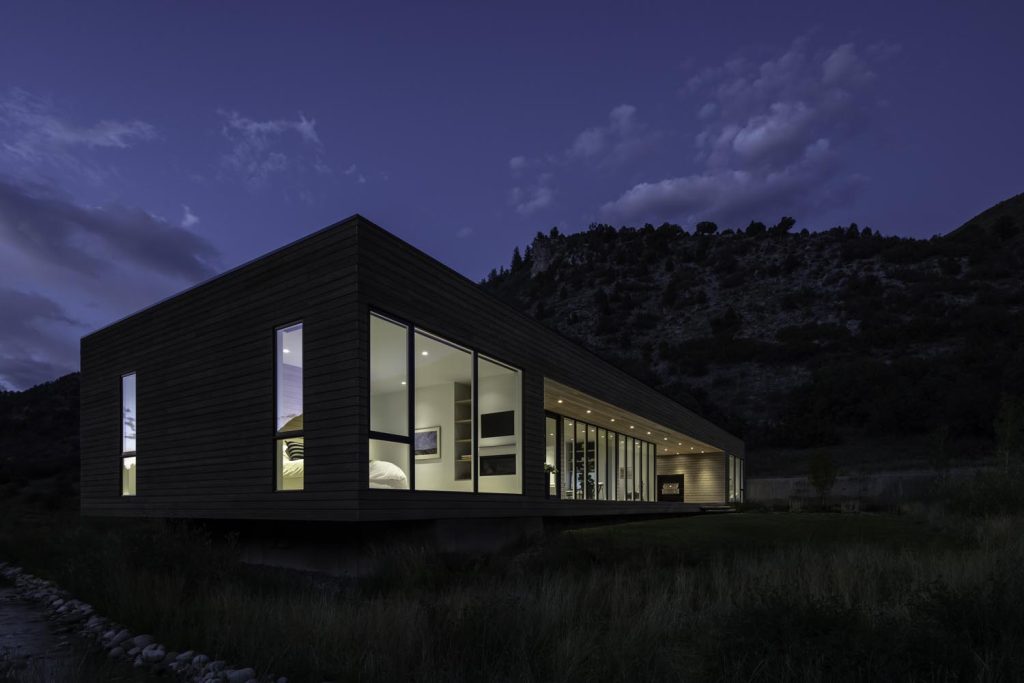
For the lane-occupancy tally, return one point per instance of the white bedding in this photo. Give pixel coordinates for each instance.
(387, 475)
(291, 468)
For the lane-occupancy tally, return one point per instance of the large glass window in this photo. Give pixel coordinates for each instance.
(443, 440)
(500, 424)
(603, 484)
(551, 455)
(389, 404)
(568, 459)
(289, 450)
(129, 425)
(465, 410)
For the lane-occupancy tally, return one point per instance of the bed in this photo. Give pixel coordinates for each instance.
(387, 475)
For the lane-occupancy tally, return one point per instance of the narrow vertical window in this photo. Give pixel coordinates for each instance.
(551, 455)
(289, 446)
(389, 441)
(500, 426)
(129, 427)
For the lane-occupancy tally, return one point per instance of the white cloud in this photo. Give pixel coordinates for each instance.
(517, 163)
(465, 232)
(188, 219)
(771, 137)
(36, 137)
(595, 140)
(531, 200)
(261, 149)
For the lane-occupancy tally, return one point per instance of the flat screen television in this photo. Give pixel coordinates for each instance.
(498, 424)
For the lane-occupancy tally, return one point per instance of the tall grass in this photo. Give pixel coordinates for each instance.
(578, 607)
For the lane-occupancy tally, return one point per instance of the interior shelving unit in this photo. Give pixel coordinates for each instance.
(463, 431)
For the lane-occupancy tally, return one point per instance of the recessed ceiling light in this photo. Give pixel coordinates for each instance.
(648, 433)
(588, 412)
(559, 400)
(424, 353)
(691, 448)
(403, 382)
(287, 350)
(665, 439)
(630, 426)
(551, 434)
(613, 419)
(680, 443)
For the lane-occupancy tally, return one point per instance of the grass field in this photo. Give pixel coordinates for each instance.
(742, 597)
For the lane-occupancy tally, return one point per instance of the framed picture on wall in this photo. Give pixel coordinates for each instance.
(427, 443)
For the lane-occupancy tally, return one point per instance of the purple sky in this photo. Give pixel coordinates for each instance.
(147, 146)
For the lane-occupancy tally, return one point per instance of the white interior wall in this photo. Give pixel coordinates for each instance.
(498, 393)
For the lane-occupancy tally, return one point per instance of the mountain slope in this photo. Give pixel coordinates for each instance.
(793, 339)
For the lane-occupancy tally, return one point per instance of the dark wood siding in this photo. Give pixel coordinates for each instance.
(205, 367)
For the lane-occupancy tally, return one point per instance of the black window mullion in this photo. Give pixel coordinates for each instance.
(473, 430)
(410, 372)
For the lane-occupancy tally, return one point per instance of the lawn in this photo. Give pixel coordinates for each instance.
(739, 597)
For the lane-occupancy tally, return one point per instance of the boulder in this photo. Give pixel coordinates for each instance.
(116, 652)
(153, 654)
(142, 640)
(240, 675)
(199, 661)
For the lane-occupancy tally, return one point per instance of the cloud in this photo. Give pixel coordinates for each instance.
(464, 232)
(261, 149)
(620, 137)
(35, 137)
(101, 262)
(771, 140)
(47, 227)
(354, 172)
(604, 146)
(188, 219)
(36, 339)
(533, 199)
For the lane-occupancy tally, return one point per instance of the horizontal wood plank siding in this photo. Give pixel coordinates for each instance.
(205, 370)
(205, 398)
(704, 475)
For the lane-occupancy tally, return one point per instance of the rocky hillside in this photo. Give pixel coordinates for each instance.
(796, 338)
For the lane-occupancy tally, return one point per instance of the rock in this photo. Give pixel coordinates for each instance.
(282, 679)
(217, 665)
(120, 637)
(154, 654)
(117, 652)
(134, 651)
(188, 655)
(139, 662)
(240, 675)
(199, 661)
(142, 640)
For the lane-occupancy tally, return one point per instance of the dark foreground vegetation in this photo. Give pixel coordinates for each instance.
(933, 595)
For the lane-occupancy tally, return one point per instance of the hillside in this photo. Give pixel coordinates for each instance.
(795, 339)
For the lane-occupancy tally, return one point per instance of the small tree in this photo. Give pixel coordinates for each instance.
(706, 228)
(1009, 427)
(822, 474)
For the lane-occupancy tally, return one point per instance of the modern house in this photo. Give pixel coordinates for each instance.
(350, 377)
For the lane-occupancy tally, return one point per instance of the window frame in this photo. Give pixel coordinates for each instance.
(278, 435)
(475, 353)
(128, 454)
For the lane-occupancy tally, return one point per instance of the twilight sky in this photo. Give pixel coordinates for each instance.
(145, 146)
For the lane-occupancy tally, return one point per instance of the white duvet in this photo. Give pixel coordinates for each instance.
(386, 475)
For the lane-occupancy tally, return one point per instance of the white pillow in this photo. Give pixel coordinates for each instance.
(388, 474)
